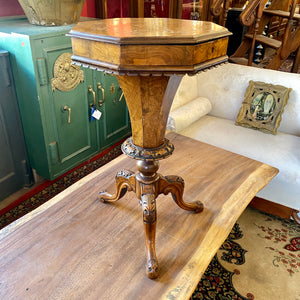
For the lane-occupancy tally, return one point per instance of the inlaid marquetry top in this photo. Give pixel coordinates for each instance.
(149, 31)
(149, 45)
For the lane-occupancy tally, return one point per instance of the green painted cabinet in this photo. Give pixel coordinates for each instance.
(56, 99)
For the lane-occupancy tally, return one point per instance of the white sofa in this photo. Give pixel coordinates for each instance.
(213, 122)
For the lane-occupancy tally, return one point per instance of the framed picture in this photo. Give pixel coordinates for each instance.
(263, 106)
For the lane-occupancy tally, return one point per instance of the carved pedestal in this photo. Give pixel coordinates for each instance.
(149, 57)
(149, 100)
(147, 184)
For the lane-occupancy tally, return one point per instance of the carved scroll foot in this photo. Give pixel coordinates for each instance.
(149, 219)
(125, 181)
(175, 185)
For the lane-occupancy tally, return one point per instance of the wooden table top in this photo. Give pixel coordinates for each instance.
(149, 45)
(149, 31)
(75, 247)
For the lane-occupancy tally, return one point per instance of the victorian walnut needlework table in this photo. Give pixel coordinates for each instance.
(149, 58)
(75, 247)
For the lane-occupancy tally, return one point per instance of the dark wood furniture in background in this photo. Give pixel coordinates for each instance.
(180, 9)
(285, 40)
(96, 250)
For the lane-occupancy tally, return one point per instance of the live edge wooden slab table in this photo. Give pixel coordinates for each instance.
(75, 247)
(149, 57)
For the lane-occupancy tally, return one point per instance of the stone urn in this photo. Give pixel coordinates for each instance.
(52, 12)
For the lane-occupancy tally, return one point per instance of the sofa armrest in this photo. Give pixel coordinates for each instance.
(188, 113)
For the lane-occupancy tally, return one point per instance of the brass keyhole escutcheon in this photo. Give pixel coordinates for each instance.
(112, 88)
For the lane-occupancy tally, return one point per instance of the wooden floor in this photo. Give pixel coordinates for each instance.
(75, 247)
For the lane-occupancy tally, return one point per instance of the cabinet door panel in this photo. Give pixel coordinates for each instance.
(7, 168)
(72, 124)
(115, 122)
(68, 107)
(14, 171)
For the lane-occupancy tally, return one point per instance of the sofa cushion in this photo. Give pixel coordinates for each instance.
(225, 87)
(280, 151)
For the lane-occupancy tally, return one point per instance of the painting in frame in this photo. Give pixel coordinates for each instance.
(263, 106)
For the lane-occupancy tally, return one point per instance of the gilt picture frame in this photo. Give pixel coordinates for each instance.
(263, 106)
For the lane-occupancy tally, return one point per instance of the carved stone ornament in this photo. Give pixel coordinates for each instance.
(66, 75)
(136, 152)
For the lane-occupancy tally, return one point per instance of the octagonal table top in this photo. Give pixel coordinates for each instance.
(149, 45)
(149, 31)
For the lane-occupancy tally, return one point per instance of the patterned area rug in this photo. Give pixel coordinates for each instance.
(260, 258)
